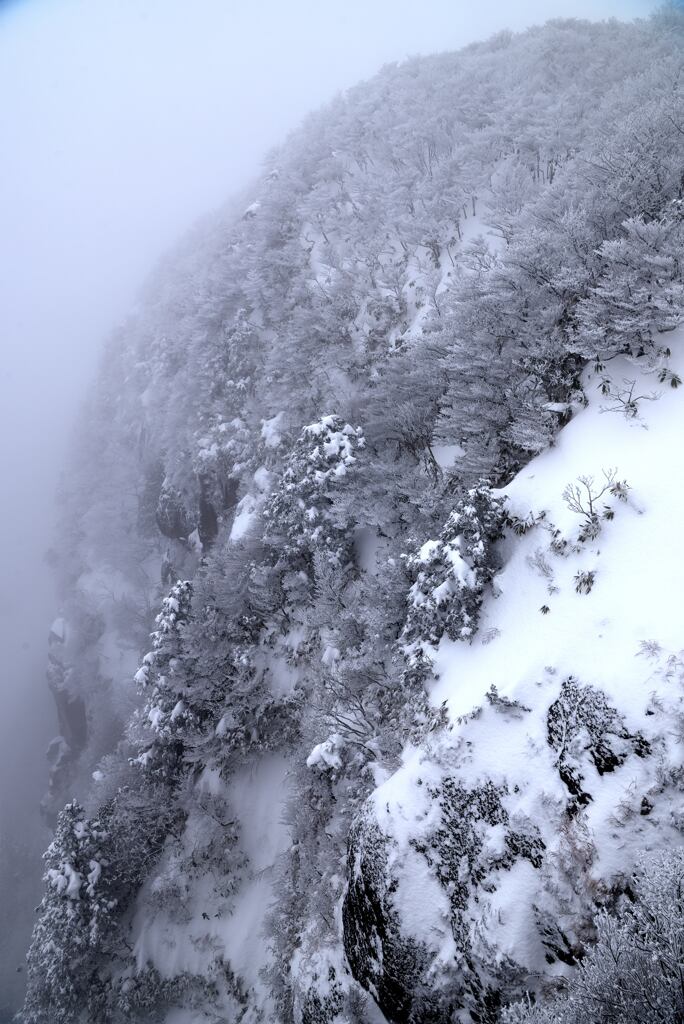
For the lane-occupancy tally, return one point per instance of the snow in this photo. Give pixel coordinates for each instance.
(330, 656)
(245, 511)
(177, 711)
(256, 797)
(156, 717)
(185, 1016)
(429, 550)
(66, 880)
(601, 638)
(262, 479)
(326, 755)
(93, 876)
(271, 430)
(447, 454)
(58, 630)
(368, 547)
(636, 594)
(140, 677)
(424, 903)
(195, 542)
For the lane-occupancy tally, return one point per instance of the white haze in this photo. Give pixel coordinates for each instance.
(122, 122)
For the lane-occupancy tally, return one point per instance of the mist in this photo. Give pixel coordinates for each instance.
(122, 123)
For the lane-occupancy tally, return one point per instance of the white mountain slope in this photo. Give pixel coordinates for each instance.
(500, 831)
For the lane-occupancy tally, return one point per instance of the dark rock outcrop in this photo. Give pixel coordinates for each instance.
(387, 963)
(174, 520)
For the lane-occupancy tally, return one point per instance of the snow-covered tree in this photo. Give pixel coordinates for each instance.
(163, 677)
(300, 516)
(633, 972)
(450, 575)
(639, 297)
(93, 869)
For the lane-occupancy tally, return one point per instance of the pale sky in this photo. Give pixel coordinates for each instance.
(124, 120)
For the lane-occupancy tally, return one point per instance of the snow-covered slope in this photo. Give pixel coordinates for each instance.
(217, 919)
(489, 849)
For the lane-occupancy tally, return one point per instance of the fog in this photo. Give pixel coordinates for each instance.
(122, 122)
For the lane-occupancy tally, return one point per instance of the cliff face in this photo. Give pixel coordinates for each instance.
(379, 466)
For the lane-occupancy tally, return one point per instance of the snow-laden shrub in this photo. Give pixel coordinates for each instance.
(450, 575)
(633, 974)
(165, 712)
(582, 727)
(300, 516)
(94, 867)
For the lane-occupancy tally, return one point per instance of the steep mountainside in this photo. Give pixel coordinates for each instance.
(386, 462)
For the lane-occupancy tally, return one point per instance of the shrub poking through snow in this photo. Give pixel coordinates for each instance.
(300, 516)
(450, 575)
(623, 398)
(584, 497)
(582, 725)
(584, 581)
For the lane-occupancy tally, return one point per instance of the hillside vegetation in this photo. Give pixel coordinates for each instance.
(387, 463)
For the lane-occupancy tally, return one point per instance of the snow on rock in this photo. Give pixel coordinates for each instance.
(58, 631)
(245, 512)
(262, 479)
(271, 430)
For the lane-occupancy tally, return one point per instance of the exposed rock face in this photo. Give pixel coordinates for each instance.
(71, 717)
(208, 522)
(472, 842)
(71, 713)
(389, 964)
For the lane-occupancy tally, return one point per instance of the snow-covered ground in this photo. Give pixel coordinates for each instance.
(625, 637)
(638, 562)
